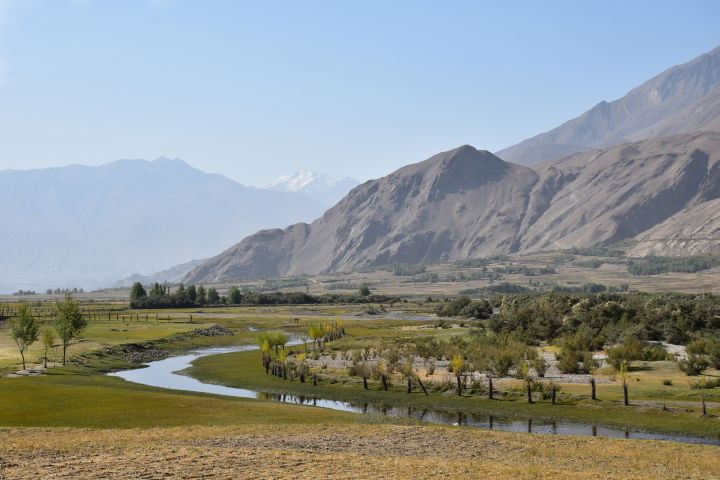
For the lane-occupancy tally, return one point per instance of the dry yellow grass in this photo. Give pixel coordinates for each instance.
(356, 451)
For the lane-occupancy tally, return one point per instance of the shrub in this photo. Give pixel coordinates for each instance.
(569, 361)
(713, 351)
(693, 364)
(655, 352)
(540, 366)
(631, 349)
(705, 383)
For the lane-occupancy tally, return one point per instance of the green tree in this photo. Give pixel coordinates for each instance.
(192, 294)
(212, 296)
(24, 330)
(158, 290)
(631, 349)
(69, 322)
(201, 296)
(137, 291)
(47, 338)
(713, 351)
(316, 332)
(181, 294)
(234, 297)
(457, 364)
(277, 339)
(364, 291)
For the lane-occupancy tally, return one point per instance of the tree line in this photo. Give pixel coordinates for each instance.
(653, 265)
(161, 296)
(608, 317)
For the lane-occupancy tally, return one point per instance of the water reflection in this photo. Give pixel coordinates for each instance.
(163, 373)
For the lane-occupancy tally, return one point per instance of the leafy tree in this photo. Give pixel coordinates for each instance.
(277, 339)
(212, 296)
(24, 330)
(137, 291)
(693, 364)
(201, 296)
(631, 349)
(713, 351)
(69, 321)
(192, 294)
(364, 291)
(316, 332)
(623, 373)
(181, 296)
(458, 366)
(158, 290)
(234, 297)
(47, 337)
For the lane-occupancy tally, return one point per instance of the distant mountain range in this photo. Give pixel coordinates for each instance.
(682, 99)
(644, 168)
(89, 226)
(171, 275)
(317, 186)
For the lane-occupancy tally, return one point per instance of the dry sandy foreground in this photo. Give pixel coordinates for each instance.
(351, 451)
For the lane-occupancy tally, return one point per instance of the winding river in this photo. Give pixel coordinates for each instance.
(164, 374)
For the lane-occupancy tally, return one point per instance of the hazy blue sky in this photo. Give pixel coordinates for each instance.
(257, 89)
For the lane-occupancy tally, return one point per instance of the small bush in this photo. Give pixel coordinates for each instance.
(705, 383)
(540, 366)
(667, 382)
(693, 364)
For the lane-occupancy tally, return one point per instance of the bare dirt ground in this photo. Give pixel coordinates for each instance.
(357, 451)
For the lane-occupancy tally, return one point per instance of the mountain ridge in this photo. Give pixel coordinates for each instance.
(682, 99)
(468, 203)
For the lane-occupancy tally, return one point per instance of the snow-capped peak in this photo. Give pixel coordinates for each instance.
(301, 180)
(317, 186)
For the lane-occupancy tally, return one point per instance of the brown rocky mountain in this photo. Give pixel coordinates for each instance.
(604, 196)
(468, 203)
(691, 231)
(682, 99)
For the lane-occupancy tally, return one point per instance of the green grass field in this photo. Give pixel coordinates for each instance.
(81, 396)
(99, 401)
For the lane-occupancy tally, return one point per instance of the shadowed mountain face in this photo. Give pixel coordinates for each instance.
(88, 226)
(691, 231)
(682, 99)
(469, 203)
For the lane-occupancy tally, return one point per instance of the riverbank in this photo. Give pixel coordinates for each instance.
(243, 370)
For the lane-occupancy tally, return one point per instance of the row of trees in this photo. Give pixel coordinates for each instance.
(161, 296)
(275, 358)
(653, 265)
(491, 357)
(67, 326)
